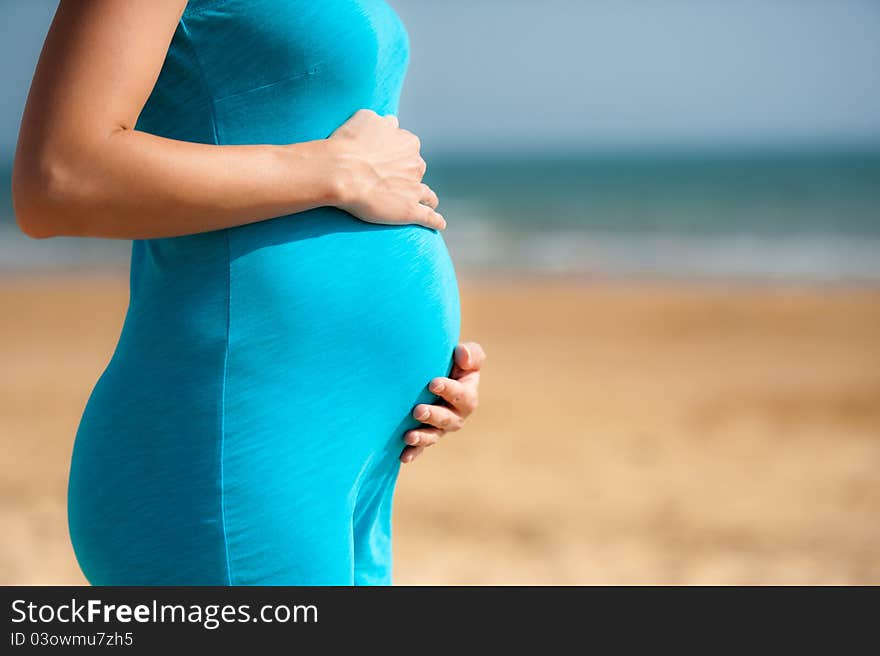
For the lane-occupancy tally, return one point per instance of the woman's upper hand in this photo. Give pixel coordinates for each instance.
(460, 396)
(380, 171)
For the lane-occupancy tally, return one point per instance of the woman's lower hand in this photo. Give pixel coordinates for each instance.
(459, 398)
(379, 171)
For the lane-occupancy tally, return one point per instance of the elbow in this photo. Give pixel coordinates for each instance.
(43, 198)
(31, 220)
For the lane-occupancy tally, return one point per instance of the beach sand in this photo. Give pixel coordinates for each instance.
(628, 433)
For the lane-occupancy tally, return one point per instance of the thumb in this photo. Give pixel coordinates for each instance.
(463, 356)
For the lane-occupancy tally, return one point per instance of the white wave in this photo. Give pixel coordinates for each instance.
(480, 245)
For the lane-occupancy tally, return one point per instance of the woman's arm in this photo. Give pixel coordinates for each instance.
(82, 170)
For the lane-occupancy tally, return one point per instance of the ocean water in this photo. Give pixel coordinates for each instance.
(812, 216)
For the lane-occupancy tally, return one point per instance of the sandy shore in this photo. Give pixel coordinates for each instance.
(627, 434)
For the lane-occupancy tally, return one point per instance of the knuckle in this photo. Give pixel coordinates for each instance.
(414, 140)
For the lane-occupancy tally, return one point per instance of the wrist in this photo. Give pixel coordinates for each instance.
(338, 175)
(320, 167)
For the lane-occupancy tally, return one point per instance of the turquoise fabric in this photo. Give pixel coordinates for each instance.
(247, 428)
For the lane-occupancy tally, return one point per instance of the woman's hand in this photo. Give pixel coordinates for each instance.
(380, 172)
(460, 394)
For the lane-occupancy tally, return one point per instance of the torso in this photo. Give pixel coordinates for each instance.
(256, 358)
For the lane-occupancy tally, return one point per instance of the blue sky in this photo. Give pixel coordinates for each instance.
(512, 74)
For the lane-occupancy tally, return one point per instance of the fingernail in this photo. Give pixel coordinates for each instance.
(437, 387)
(422, 413)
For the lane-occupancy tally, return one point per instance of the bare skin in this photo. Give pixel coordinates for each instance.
(81, 169)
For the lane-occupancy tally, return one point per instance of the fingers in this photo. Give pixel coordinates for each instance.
(392, 119)
(469, 356)
(427, 217)
(438, 416)
(460, 395)
(429, 198)
(423, 436)
(410, 453)
(417, 440)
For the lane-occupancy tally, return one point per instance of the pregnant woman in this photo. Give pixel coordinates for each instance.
(293, 317)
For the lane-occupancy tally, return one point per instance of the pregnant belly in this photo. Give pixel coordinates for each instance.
(326, 306)
(313, 323)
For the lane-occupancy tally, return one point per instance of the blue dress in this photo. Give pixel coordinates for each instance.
(247, 428)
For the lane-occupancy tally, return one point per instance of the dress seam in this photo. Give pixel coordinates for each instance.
(223, 409)
(228, 294)
(204, 78)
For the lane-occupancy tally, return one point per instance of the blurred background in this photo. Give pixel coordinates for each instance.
(666, 223)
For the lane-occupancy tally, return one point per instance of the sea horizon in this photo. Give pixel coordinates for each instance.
(799, 213)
